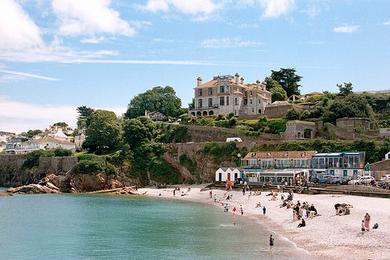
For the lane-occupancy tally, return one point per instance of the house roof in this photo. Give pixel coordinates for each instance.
(53, 140)
(279, 155)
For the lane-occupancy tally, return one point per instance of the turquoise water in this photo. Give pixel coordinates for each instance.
(111, 227)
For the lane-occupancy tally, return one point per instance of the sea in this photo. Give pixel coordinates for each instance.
(68, 226)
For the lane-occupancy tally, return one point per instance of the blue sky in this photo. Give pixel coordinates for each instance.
(58, 54)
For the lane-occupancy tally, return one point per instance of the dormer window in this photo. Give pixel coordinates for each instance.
(222, 89)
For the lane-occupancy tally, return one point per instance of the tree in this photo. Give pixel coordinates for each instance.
(293, 114)
(136, 132)
(103, 132)
(31, 133)
(61, 124)
(278, 93)
(158, 99)
(84, 116)
(345, 89)
(288, 79)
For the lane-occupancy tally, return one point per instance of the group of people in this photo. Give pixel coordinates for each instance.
(366, 223)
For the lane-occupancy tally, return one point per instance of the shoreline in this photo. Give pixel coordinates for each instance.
(326, 236)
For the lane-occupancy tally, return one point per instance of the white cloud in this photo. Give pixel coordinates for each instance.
(228, 43)
(16, 116)
(89, 17)
(92, 40)
(17, 29)
(21, 74)
(346, 28)
(192, 7)
(386, 22)
(276, 8)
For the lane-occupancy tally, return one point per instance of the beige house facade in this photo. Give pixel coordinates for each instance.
(229, 94)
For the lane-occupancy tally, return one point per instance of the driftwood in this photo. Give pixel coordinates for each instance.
(124, 190)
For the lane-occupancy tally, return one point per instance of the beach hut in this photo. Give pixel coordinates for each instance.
(227, 174)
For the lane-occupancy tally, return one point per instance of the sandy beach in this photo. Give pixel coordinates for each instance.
(326, 236)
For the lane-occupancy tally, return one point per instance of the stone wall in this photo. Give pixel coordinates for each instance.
(57, 165)
(12, 172)
(360, 125)
(380, 169)
(384, 132)
(275, 111)
(298, 130)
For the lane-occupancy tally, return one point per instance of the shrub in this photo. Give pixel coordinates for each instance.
(163, 172)
(90, 167)
(277, 126)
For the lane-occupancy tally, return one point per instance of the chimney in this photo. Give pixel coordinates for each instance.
(242, 80)
(199, 80)
(237, 76)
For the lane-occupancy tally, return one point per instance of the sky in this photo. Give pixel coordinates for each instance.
(56, 55)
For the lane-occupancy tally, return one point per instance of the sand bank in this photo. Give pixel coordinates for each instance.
(327, 236)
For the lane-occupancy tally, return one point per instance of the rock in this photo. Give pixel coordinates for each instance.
(34, 189)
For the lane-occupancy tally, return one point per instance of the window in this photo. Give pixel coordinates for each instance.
(259, 101)
(210, 102)
(250, 92)
(345, 173)
(253, 110)
(250, 101)
(259, 111)
(210, 91)
(227, 101)
(355, 173)
(221, 101)
(222, 89)
(199, 92)
(332, 172)
(236, 103)
(200, 103)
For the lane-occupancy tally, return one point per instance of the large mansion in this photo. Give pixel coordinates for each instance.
(226, 94)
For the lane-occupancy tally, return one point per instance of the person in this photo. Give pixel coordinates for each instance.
(242, 211)
(243, 191)
(375, 226)
(211, 194)
(174, 192)
(234, 211)
(302, 224)
(278, 187)
(363, 227)
(264, 210)
(367, 222)
(271, 242)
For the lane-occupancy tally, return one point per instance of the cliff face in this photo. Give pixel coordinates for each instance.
(12, 173)
(192, 163)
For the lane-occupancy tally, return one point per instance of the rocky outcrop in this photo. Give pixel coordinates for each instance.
(35, 189)
(100, 181)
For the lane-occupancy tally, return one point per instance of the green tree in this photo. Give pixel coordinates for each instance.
(293, 114)
(345, 89)
(61, 124)
(278, 93)
(84, 116)
(31, 133)
(288, 79)
(136, 132)
(158, 99)
(103, 132)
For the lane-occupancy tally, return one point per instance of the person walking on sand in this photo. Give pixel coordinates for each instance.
(211, 194)
(243, 190)
(264, 210)
(363, 227)
(174, 192)
(242, 211)
(271, 243)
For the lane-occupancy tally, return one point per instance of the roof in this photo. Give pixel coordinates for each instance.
(336, 154)
(208, 84)
(279, 103)
(279, 155)
(53, 140)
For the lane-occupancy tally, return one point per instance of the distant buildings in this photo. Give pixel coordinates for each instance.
(297, 167)
(53, 137)
(229, 94)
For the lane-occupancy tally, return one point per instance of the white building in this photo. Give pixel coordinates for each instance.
(387, 156)
(229, 94)
(52, 143)
(227, 174)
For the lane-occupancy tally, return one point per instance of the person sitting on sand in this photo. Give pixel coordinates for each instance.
(258, 205)
(367, 218)
(302, 224)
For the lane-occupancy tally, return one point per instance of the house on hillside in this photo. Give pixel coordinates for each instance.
(229, 94)
(52, 143)
(20, 145)
(6, 136)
